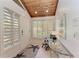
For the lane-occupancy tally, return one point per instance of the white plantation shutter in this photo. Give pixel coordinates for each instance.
(11, 28)
(7, 28)
(16, 28)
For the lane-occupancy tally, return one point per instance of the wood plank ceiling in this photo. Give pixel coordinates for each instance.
(40, 8)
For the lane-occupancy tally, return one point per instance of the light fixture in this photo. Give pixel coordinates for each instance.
(47, 11)
(36, 12)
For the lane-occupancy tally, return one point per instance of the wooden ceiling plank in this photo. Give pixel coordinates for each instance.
(41, 6)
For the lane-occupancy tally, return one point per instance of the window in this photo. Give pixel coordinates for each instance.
(39, 29)
(11, 28)
(42, 28)
(34, 29)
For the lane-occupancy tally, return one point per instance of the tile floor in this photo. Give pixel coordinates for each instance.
(40, 53)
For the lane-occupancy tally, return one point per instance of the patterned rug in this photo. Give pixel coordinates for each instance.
(29, 52)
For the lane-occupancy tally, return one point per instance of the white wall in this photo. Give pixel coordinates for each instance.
(43, 18)
(71, 10)
(25, 25)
